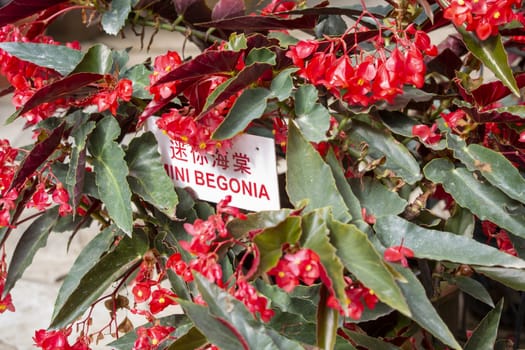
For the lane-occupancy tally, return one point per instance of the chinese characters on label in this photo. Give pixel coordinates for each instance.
(247, 171)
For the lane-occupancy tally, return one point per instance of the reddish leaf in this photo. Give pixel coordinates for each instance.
(494, 91)
(446, 63)
(38, 155)
(209, 62)
(262, 23)
(227, 9)
(15, 10)
(193, 10)
(72, 85)
(508, 114)
(246, 77)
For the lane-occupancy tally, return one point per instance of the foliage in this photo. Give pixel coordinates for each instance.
(404, 171)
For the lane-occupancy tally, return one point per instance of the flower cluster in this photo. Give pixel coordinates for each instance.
(356, 294)
(483, 16)
(503, 242)
(58, 340)
(8, 168)
(6, 303)
(27, 78)
(107, 98)
(294, 267)
(364, 78)
(189, 124)
(150, 338)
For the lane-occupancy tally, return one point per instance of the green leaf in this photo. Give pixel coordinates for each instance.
(513, 278)
(111, 171)
(86, 260)
(312, 118)
(105, 272)
(282, 84)
(341, 182)
(191, 340)
(327, 321)
(139, 76)
(369, 342)
(237, 42)
(270, 241)
(60, 58)
(114, 20)
(309, 177)
(376, 198)
(257, 221)
(482, 199)
(492, 54)
(215, 330)
(393, 230)
(315, 236)
(147, 176)
(250, 105)
(380, 143)
(98, 59)
(462, 222)
(302, 300)
(497, 169)
(361, 258)
(423, 312)
(261, 55)
(485, 334)
(473, 288)
(233, 312)
(34, 238)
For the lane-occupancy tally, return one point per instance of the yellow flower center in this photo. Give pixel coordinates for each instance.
(281, 274)
(162, 300)
(496, 15)
(308, 268)
(184, 138)
(461, 2)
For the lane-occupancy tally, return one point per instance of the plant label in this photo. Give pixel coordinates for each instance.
(247, 171)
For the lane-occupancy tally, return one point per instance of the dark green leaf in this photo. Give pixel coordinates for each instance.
(482, 199)
(376, 198)
(394, 231)
(260, 55)
(105, 272)
(301, 300)
(327, 321)
(331, 25)
(492, 54)
(312, 118)
(282, 84)
(86, 260)
(191, 340)
(250, 105)
(98, 59)
(423, 312)
(60, 58)
(34, 238)
(270, 241)
(485, 334)
(147, 176)
(369, 342)
(257, 221)
(473, 288)
(513, 278)
(380, 143)
(351, 200)
(114, 20)
(215, 329)
(497, 169)
(309, 177)
(361, 258)
(462, 222)
(253, 332)
(111, 171)
(315, 236)
(139, 76)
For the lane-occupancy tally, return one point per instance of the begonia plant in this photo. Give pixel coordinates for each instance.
(400, 127)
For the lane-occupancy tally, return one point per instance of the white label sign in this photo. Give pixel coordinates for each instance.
(247, 171)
